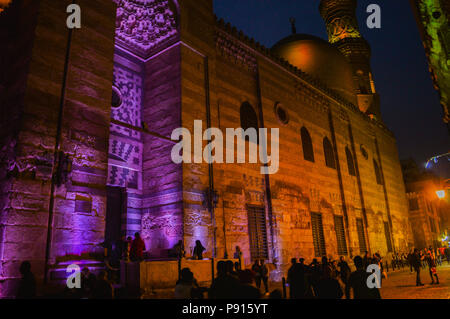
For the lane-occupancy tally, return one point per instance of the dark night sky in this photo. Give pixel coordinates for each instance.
(409, 104)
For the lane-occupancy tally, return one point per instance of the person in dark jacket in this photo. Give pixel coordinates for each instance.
(328, 287)
(358, 283)
(198, 250)
(416, 261)
(27, 285)
(103, 288)
(265, 276)
(137, 248)
(246, 289)
(224, 286)
(344, 270)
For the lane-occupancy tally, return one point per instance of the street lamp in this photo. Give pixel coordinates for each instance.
(440, 194)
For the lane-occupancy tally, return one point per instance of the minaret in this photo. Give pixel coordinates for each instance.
(343, 32)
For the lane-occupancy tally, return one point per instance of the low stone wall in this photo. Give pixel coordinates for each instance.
(150, 275)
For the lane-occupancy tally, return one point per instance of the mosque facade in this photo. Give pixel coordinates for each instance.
(87, 118)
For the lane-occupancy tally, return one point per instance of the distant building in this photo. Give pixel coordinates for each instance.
(433, 20)
(428, 214)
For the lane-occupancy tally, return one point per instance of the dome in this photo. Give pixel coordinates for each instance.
(319, 59)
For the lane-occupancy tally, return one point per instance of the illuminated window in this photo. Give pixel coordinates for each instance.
(329, 153)
(248, 118)
(308, 153)
(350, 162)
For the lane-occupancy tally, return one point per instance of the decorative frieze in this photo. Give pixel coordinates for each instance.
(235, 51)
(310, 97)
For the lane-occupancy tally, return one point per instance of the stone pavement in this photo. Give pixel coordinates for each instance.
(402, 285)
(399, 285)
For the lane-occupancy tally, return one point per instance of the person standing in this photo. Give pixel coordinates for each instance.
(344, 270)
(27, 284)
(178, 250)
(137, 248)
(291, 279)
(103, 288)
(438, 257)
(265, 276)
(238, 255)
(358, 283)
(198, 250)
(185, 285)
(431, 260)
(224, 285)
(416, 262)
(256, 268)
(245, 289)
(410, 260)
(366, 260)
(328, 287)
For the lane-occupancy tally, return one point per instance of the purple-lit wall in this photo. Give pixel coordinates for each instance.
(36, 57)
(125, 143)
(148, 77)
(162, 224)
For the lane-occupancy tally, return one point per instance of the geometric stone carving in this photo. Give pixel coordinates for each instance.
(130, 87)
(143, 25)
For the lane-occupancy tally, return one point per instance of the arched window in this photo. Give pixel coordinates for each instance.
(377, 172)
(350, 162)
(329, 153)
(248, 118)
(308, 153)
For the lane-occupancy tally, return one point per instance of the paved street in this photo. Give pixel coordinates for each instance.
(398, 285)
(402, 285)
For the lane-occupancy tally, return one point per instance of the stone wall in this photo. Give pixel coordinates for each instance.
(240, 71)
(126, 141)
(162, 197)
(78, 202)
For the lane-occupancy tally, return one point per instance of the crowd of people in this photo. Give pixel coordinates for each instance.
(321, 280)
(400, 260)
(327, 279)
(231, 282)
(330, 279)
